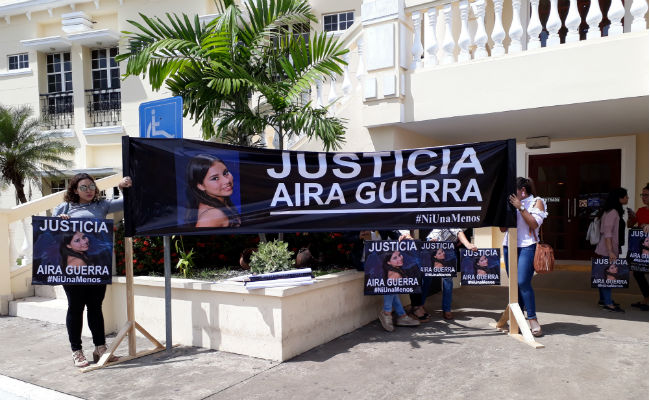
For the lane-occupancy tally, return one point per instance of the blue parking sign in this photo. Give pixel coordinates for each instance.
(162, 118)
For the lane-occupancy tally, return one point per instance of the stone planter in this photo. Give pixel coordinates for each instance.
(272, 323)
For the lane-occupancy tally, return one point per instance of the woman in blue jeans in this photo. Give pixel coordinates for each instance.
(392, 264)
(531, 212)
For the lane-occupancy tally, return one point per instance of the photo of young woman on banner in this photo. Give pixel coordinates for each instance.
(211, 186)
(438, 259)
(392, 267)
(480, 267)
(73, 251)
(606, 274)
(637, 250)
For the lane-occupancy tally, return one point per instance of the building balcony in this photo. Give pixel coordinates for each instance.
(104, 107)
(57, 109)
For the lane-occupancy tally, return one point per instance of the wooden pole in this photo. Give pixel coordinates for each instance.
(130, 311)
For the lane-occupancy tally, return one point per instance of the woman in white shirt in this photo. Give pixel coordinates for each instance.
(531, 212)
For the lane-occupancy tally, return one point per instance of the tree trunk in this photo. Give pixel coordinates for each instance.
(20, 190)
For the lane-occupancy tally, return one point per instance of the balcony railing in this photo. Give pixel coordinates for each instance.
(483, 29)
(57, 109)
(104, 107)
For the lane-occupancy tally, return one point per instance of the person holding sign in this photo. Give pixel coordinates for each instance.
(612, 229)
(210, 186)
(640, 220)
(82, 201)
(453, 235)
(531, 212)
(392, 265)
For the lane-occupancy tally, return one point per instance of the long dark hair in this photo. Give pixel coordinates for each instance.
(72, 197)
(195, 172)
(606, 272)
(387, 267)
(526, 183)
(613, 201)
(478, 267)
(66, 252)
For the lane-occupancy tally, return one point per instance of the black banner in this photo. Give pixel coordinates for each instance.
(77, 251)
(196, 187)
(605, 274)
(637, 250)
(481, 267)
(392, 267)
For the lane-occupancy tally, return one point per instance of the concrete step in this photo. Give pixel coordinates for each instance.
(49, 291)
(45, 309)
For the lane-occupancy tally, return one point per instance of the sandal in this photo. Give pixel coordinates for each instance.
(535, 328)
(447, 315)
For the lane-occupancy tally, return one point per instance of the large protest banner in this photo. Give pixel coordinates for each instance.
(637, 250)
(607, 274)
(77, 251)
(196, 187)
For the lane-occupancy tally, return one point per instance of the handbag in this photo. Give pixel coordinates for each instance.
(544, 260)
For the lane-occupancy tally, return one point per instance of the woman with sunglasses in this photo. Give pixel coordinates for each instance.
(82, 201)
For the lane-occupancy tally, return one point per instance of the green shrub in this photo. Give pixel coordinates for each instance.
(271, 257)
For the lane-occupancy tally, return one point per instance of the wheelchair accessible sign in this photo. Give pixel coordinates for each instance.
(162, 119)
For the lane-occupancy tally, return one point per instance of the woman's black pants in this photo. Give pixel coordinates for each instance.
(91, 297)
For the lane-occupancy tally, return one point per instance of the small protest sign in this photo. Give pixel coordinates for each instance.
(606, 274)
(480, 267)
(392, 267)
(76, 251)
(438, 259)
(637, 250)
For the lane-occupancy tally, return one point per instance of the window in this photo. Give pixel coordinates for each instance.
(59, 73)
(105, 71)
(58, 185)
(338, 22)
(18, 61)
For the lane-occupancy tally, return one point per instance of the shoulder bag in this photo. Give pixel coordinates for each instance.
(544, 258)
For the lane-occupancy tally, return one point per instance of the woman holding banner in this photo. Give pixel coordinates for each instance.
(531, 212)
(210, 186)
(459, 238)
(82, 201)
(393, 263)
(612, 231)
(640, 220)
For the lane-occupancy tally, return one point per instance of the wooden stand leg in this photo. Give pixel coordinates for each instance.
(513, 312)
(130, 326)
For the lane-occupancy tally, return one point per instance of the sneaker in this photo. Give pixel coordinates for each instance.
(405, 320)
(99, 352)
(386, 320)
(78, 359)
(613, 308)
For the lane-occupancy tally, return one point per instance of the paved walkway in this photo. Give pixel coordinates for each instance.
(590, 353)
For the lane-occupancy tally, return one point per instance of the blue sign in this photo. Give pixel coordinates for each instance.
(162, 118)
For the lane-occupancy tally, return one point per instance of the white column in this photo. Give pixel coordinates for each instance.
(553, 25)
(516, 30)
(361, 68)
(638, 10)
(464, 41)
(534, 26)
(594, 16)
(498, 34)
(430, 37)
(481, 37)
(26, 249)
(615, 14)
(331, 97)
(417, 49)
(319, 93)
(448, 45)
(572, 22)
(346, 85)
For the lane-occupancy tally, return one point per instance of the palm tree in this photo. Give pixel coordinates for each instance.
(243, 71)
(26, 152)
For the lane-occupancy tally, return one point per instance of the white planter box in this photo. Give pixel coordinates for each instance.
(273, 323)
